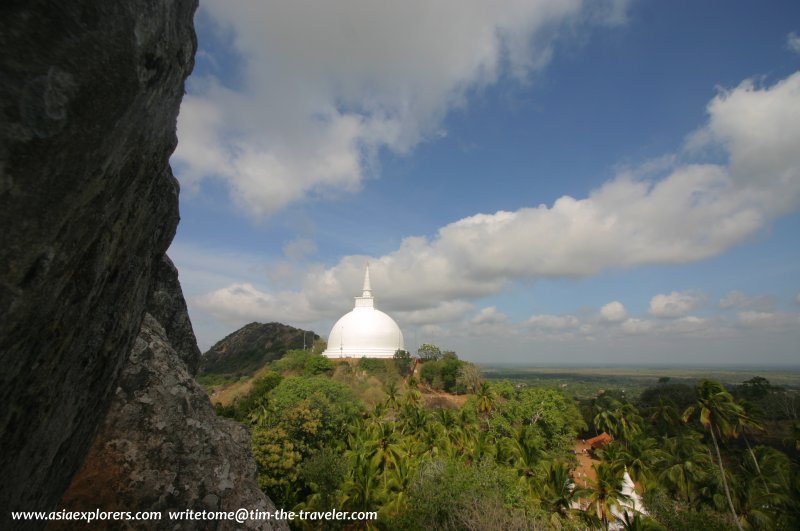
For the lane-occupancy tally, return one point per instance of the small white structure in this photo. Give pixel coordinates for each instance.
(365, 332)
(631, 506)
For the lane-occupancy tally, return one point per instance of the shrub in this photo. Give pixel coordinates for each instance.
(318, 365)
(429, 371)
(257, 396)
(443, 494)
(428, 352)
(402, 361)
(373, 366)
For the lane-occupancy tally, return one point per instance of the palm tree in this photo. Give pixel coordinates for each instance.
(446, 418)
(381, 445)
(434, 439)
(763, 499)
(483, 445)
(684, 465)
(614, 456)
(740, 426)
(259, 416)
(629, 422)
(621, 420)
(400, 476)
(665, 417)
(525, 452)
(413, 418)
(607, 493)
(377, 411)
(467, 419)
(362, 490)
(716, 409)
(637, 522)
(606, 416)
(413, 396)
(392, 396)
(560, 494)
(641, 456)
(485, 396)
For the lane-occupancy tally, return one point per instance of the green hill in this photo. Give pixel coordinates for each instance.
(252, 346)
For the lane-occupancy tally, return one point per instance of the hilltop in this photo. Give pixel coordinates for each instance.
(251, 347)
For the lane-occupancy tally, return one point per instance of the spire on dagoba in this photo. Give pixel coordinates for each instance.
(367, 287)
(366, 300)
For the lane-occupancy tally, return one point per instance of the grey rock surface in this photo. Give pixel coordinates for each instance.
(168, 307)
(162, 446)
(89, 96)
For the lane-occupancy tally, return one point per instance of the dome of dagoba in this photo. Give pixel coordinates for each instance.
(365, 332)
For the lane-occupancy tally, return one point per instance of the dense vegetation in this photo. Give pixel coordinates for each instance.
(365, 436)
(249, 348)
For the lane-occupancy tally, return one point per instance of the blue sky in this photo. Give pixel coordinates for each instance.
(552, 182)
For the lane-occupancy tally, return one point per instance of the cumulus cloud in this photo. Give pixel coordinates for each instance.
(767, 319)
(488, 315)
(793, 42)
(243, 302)
(324, 86)
(553, 322)
(637, 326)
(738, 300)
(442, 312)
(694, 212)
(758, 127)
(613, 312)
(299, 249)
(688, 324)
(686, 212)
(675, 304)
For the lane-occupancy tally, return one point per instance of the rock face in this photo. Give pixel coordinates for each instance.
(252, 346)
(89, 96)
(168, 307)
(162, 447)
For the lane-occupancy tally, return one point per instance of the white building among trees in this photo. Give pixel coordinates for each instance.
(364, 332)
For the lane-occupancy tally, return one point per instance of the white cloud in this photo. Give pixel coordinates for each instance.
(693, 212)
(613, 312)
(768, 319)
(687, 325)
(637, 326)
(793, 42)
(243, 302)
(443, 312)
(299, 249)
(738, 300)
(553, 322)
(488, 315)
(487, 322)
(675, 304)
(325, 85)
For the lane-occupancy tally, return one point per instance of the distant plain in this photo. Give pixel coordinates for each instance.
(587, 382)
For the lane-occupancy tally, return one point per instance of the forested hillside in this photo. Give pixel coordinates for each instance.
(365, 435)
(249, 348)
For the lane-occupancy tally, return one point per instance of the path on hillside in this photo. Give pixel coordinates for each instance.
(584, 474)
(414, 371)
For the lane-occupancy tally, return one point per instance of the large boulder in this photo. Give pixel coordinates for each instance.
(162, 446)
(89, 97)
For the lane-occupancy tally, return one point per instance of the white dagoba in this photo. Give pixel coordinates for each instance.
(631, 506)
(365, 332)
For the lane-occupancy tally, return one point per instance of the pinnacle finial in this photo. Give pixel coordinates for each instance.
(367, 286)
